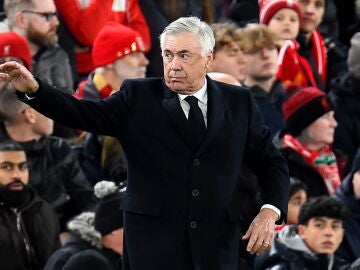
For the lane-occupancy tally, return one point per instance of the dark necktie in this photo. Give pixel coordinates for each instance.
(195, 121)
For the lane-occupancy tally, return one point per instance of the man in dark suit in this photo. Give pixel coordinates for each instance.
(181, 209)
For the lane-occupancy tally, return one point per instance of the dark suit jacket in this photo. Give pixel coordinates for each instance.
(181, 207)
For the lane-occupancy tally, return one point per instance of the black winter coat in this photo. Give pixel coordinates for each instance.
(349, 249)
(345, 96)
(302, 171)
(56, 176)
(39, 231)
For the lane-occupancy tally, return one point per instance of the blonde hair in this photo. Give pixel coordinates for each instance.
(224, 33)
(255, 37)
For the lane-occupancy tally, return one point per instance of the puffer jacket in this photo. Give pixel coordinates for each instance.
(83, 237)
(349, 249)
(345, 96)
(289, 252)
(28, 236)
(56, 176)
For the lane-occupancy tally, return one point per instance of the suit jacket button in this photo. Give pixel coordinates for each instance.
(195, 193)
(196, 162)
(193, 224)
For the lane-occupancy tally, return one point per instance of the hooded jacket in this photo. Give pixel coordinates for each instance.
(289, 252)
(28, 235)
(83, 237)
(349, 249)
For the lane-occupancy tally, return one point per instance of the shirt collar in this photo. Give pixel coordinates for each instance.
(201, 94)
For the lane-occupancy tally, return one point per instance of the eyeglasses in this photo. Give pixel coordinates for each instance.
(48, 16)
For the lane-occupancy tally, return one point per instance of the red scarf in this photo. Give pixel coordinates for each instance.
(295, 69)
(324, 162)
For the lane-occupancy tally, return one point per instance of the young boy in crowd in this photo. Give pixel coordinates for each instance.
(297, 197)
(283, 18)
(312, 243)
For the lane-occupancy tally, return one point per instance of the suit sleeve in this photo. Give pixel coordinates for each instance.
(108, 116)
(266, 162)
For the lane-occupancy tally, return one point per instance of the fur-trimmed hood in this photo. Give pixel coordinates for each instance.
(83, 226)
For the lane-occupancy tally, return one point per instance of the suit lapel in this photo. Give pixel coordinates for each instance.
(172, 106)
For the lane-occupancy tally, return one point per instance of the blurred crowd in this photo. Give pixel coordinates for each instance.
(299, 58)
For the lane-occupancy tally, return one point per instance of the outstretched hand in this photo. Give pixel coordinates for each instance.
(19, 77)
(261, 232)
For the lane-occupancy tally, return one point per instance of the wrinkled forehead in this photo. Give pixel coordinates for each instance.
(181, 42)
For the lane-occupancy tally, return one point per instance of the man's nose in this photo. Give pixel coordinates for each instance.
(175, 63)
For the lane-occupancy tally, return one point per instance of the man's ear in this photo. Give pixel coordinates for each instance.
(29, 115)
(20, 20)
(301, 230)
(209, 60)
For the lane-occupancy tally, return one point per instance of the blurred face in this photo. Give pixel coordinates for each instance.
(321, 131)
(43, 126)
(285, 23)
(132, 66)
(114, 240)
(322, 234)
(294, 205)
(261, 65)
(312, 13)
(41, 23)
(356, 184)
(230, 60)
(14, 170)
(184, 66)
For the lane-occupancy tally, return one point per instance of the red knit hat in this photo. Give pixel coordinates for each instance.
(303, 108)
(268, 8)
(14, 45)
(114, 41)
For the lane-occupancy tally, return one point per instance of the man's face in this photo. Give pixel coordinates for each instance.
(40, 30)
(261, 65)
(312, 14)
(13, 169)
(322, 235)
(184, 66)
(132, 66)
(230, 60)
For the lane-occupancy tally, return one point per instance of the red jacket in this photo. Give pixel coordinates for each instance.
(84, 23)
(295, 69)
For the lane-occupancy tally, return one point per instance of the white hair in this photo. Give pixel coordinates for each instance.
(193, 25)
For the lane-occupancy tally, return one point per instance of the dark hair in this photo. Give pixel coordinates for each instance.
(296, 185)
(322, 206)
(9, 145)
